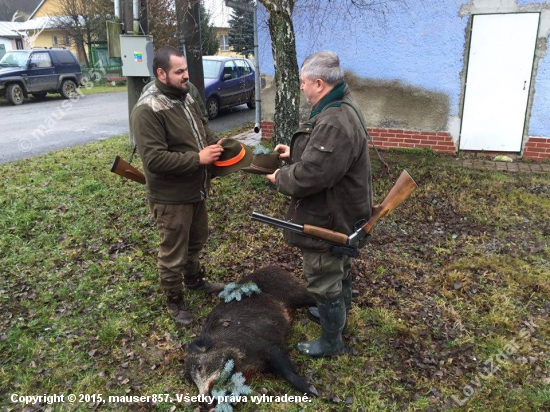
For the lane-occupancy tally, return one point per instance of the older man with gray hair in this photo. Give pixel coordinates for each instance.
(329, 181)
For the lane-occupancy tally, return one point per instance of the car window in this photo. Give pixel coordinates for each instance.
(244, 68)
(14, 59)
(41, 59)
(64, 56)
(211, 68)
(230, 68)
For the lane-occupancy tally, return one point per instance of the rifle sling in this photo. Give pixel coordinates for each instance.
(337, 104)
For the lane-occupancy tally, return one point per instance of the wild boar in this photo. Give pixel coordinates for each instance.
(252, 332)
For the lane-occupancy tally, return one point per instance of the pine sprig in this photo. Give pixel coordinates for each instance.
(236, 291)
(260, 150)
(229, 385)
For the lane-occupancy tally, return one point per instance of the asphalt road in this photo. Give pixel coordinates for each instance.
(37, 127)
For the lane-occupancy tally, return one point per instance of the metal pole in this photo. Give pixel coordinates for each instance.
(135, 8)
(257, 96)
(117, 10)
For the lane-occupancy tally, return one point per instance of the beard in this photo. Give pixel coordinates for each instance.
(183, 87)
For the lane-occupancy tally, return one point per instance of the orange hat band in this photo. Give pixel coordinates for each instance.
(233, 160)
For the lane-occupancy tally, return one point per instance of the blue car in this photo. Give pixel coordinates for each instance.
(38, 72)
(228, 82)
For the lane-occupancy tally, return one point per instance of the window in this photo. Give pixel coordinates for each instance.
(243, 67)
(41, 60)
(64, 56)
(19, 44)
(211, 69)
(54, 41)
(224, 42)
(230, 68)
(67, 40)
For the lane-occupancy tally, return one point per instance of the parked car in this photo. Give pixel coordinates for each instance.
(228, 82)
(38, 72)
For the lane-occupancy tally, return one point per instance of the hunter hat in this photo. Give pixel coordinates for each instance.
(264, 164)
(235, 156)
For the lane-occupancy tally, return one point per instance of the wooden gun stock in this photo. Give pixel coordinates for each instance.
(125, 169)
(400, 191)
(326, 234)
(348, 245)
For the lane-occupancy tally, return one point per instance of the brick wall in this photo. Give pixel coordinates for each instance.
(441, 142)
(536, 148)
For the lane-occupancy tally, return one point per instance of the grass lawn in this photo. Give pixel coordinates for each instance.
(454, 289)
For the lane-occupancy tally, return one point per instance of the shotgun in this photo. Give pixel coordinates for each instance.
(342, 243)
(125, 169)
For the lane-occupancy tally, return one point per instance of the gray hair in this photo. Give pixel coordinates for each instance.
(324, 65)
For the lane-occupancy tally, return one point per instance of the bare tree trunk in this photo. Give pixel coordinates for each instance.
(283, 46)
(82, 51)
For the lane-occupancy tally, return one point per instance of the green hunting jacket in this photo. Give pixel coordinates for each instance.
(169, 131)
(329, 176)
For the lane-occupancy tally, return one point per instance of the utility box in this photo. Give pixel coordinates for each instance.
(137, 55)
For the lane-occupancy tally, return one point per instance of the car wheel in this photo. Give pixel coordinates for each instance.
(39, 96)
(14, 94)
(68, 89)
(252, 102)
(212, 107)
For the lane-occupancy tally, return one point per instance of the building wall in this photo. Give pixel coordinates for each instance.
(45, 39)
(9, 43)
(408, 72)
(48, 8)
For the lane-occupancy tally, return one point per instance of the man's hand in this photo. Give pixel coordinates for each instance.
(273, 176)
(284, 151)
(210, 154)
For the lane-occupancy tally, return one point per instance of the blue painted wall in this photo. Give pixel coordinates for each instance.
(421, 44)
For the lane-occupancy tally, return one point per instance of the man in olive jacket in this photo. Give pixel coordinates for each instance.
(329, 180)
(176, 146)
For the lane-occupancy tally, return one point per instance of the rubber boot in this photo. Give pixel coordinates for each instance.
(193, 278)
(332, 314)
(313, 312)
(176, 309)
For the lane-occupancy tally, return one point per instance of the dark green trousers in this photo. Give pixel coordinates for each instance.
(183, 230)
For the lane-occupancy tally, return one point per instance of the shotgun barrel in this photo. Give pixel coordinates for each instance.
(401, 190)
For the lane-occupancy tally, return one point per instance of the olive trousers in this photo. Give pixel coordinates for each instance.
(324, 272)
(183, 231)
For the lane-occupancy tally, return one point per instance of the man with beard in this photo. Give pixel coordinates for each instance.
(176, 146)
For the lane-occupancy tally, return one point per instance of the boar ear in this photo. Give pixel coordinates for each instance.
(201, 344)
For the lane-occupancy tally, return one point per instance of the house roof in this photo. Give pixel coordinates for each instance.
(10, 29)
(37, 8)
(38, 23)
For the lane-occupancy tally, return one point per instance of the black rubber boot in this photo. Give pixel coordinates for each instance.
(193, 278)
(332, 314)
(176, 309)
(313, 312)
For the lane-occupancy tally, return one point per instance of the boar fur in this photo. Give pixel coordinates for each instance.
(252, 332)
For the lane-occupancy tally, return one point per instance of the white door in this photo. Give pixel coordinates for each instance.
(497, 82)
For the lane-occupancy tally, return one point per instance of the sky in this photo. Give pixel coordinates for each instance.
(219, 11)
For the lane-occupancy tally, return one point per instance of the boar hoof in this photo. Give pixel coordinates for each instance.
(313, 391)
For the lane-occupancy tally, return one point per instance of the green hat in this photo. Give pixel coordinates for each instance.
(235, 156)
(264, 164)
